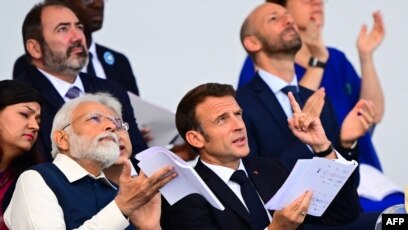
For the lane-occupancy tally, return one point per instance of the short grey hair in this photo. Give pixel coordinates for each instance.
(64, 115)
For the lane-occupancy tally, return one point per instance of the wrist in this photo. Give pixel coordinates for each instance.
(316, 63)
(349, 144)
(325, 152)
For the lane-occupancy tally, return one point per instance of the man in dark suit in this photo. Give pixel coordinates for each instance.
(55, 45)
(106, 63)
(271, 39)
(210, 121)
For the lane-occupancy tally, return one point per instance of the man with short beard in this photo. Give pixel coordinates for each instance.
(106, 63)
(270, 37)
(55, 45)
(73, 192)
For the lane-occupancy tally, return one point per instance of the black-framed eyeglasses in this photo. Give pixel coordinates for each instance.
(90, 2)
(97, 119)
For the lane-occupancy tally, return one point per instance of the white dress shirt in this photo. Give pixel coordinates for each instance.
(225, 174)
(95, 62)
(35, 206)
(276, 84)
(62, 87)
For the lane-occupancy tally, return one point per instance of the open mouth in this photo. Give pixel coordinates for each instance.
(239, 140)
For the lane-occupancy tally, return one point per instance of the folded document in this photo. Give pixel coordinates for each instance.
(187, 181)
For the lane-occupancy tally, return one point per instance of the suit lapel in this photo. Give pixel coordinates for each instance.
(222, 191)
(100, 51)
(46, 89)
(271, 103)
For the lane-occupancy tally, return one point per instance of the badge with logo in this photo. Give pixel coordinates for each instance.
(109, 58)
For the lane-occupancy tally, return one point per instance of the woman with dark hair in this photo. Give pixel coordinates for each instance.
(19, 123)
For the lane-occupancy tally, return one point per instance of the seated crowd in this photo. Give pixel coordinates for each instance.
(68, 138)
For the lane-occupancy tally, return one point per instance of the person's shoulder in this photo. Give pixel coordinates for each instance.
(266, 163)
(335, 52)
(245, 90)
(96, 82)
(28, 75)
(106, 52)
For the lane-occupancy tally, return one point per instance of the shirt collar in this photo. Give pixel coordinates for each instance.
(274, 82)
(223, 172)
(73, 171)
(92, 49)
(62, 86)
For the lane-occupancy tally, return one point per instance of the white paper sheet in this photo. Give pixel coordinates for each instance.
(158, 119)
(187, 181)
(322, 176)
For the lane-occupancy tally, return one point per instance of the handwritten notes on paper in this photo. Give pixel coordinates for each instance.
(187, 181)
(322, 176)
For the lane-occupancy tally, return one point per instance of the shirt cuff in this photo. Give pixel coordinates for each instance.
(112, 218)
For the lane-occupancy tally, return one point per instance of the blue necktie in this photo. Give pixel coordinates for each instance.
(257, 211)
(73, 92)
(294, 90)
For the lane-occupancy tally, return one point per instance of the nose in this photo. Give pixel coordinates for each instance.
(77, 35)
(109, 125)
(289, 20)
(33, 124)
(239, 124)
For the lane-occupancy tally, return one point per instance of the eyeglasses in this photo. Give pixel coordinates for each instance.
(90, 2)
(97, 119)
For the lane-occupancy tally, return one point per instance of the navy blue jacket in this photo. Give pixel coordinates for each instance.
(52, 102)
(267, 126)
(267, 175)
(80, 200)
(116, 66)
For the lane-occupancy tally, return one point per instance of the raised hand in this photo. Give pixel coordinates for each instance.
(307, 127)
(357, 122)
(293, 215)
(312, 37)
(148, 216)
(368, 41)
(134, 192)
(315, 103)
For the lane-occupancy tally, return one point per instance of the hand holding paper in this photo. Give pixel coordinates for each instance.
(187, 181)
(322, 176)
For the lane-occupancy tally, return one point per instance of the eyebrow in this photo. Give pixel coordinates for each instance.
(67, 24)
(29, 108)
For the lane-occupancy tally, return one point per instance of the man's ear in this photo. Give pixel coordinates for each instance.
(252, 44)
(34, 49)
(61, 139)
(195, 139)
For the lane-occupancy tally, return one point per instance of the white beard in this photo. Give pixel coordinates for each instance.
(106, 152)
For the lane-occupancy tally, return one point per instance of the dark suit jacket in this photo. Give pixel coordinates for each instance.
(115, 65)
(267, 126)
(52, 102)
(267, 175)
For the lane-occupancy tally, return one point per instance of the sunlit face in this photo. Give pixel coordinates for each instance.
(90, 14)
(276, 30)
(97, 140)
(303, 11)
(64, 49)
(19, 124)
(223, 139)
